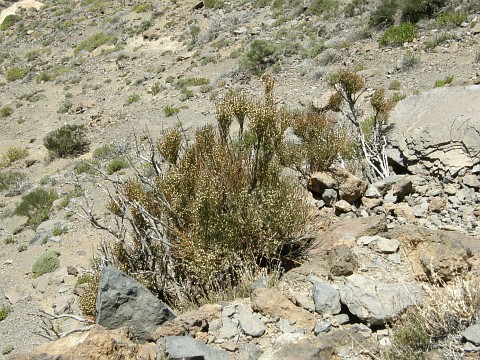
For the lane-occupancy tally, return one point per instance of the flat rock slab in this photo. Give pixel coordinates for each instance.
(326, 299)
(299, 346)
(123, 301)
(187, 348)
(441, 146)
(250, 323)
(376, 302)
(472, 334)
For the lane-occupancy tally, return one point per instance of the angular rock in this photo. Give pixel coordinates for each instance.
(471, 181)
(386, 246)
(322, 326)
(251, 324)
(326, 299)
(274, 304)
(376, 302)
(352, 188)
(472, 334)
(329, 197)
(122, 301)
(299, 346)
(437, 204)
(343, 206)
(229, 328)
(187, 348)
(444, 146)
(321, 181)
(342, 261)
(385, 185)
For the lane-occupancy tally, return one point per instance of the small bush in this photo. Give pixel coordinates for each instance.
(48, 262)
(116, 164)
(36, 205)
(87, 301)
(261, 54)
(395, 85)
(132, 99)
(452, 18)
(156, 88)
(448, 80)
(409, 60)
(59, 230)
(67, 141)
(15, 73)
(12, 181)
(144, 7)
(415, 10)
(7, 349)
(6, 111)
(185, 94)
(83, 280)
(65, 107)
(327, 8)
(22, 248)
(94, 42)
(170, 110)
(106, 152)
(8, 240)
(83, 167)
(398, 35)
(384, 13)
(13, 154)
(9, 21)
(44, 77)
(4, 311)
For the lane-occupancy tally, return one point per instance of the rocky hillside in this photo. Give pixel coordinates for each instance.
(119, 71)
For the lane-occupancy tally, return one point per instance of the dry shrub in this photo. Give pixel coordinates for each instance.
(214, 208)
(446, 311)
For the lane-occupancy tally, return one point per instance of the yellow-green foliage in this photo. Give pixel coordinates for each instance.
(139, 8)
(9, 21)
(36, 205)
(88, 300)
(95, 41)
(398, 35)
(222, 204)
(15, 73)
(46, 263)
(13, 154)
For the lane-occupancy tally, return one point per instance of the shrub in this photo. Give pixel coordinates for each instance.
(94, 42)
(132, 99)
(7, 349)
(15, 73)
(87, 301)
(139, 8)
(13, 154)
(4, 311)
(398, 35)
(48, 262)
(156, 88)
(446, 311)
(116, 164)
(395, 85)
(107, 152)
(452, 18)
(67, 140)
(326, 8)
(448, 80)
(36, 205)
(83, 167)
(170, 110)
(10, 179)
(221, 206)
(6, 111)
(260, 55)
(65, 107)
(9, 21)
(415, 10)
(384, 13)
(409, 60)
(8, 240)
(22, 248)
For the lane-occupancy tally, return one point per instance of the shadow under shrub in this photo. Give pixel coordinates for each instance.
(218, 208)
(67, 141)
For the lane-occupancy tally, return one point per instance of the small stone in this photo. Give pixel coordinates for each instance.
(343, 207)
(390, 197)
(386, 246)
(72, 270)
(229, 345)
(229, 328)
(472, 334)
(329, 197)
(322, 327)
(385, 342)
(228, 310)
(251, 324)
(326, 299)
(469, 347)
(341, 319)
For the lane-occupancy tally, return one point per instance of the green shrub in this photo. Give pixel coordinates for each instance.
(116, 164)
(185, 94)
(44, 77)
(261, 54)
(354, 7)
(67, 141)
(395, 85)
(4, 311)
(452, 18)
(384, 13)
(132, 99)
(409, 60)
(87, 301)
(144, 7)
(448, 80)
(221, 204)
(22, 248)
(15, 73)
(9, 21)
(326, 8)
(59, 230)
(83, 167)
(48, 262)
(214, 4)
(36, 205)
(84, 279)
(10, 179)
(65, 107)
(6, 111)
(94, 42)
(106, 152)
(7, 349)
(415, 10)
(170, 110)
(8, 240)
(13, 154)
(398, 35)
(156, 88)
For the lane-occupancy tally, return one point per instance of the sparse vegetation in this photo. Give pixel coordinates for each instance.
(9, 21)
(132, 99)
(4, 311)
(22, 248)
(11, 179)
(46, 263)
(143, 7)
(261, 54)
(7, 349)
(448, 80)
(398, 35)
(116, 165)
(408, 61)
(15, 73)
(13, 154)
(6, 111)
(94, 42)
(170, 110)
(67, 141)
(36, 206)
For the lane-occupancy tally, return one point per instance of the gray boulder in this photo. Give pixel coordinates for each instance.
(438, 131)
(472, 334)
(376, 302)
(187, 348)
(122, 301)
(326, 299)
